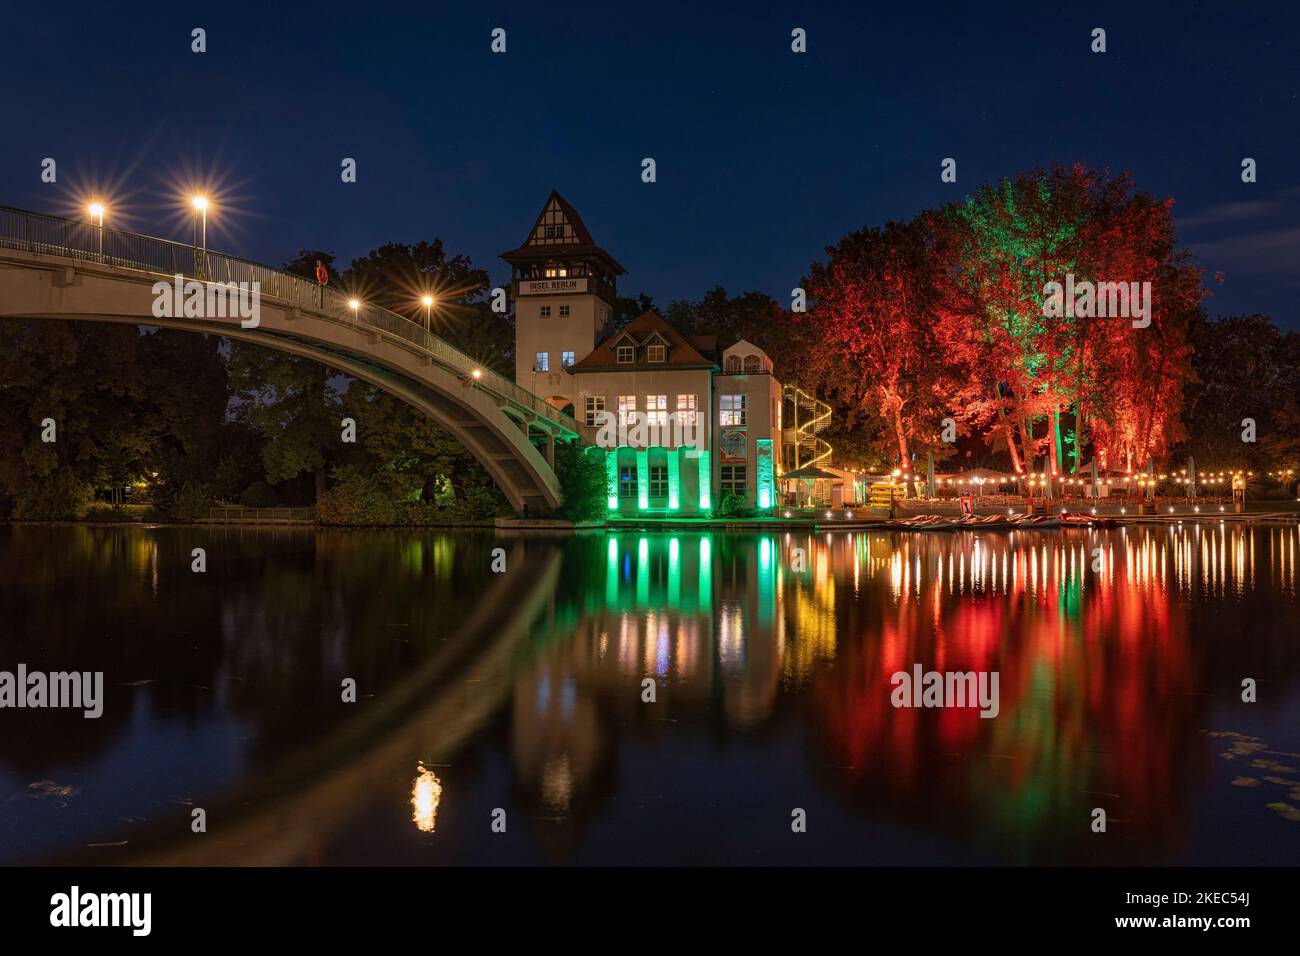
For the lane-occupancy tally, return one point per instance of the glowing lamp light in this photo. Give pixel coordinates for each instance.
(96, 209)
(354, 304)
(426, 794)
(199, 202)
(477, 373)
(426, 300)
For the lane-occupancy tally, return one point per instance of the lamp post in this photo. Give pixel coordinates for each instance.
(200, 211)
(200, 204)
(427, 301)
(96, 210)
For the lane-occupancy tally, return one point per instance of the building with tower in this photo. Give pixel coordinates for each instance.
(681, 424)
(564, 287)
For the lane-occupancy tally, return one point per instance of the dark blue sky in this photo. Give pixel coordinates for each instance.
(764, 156)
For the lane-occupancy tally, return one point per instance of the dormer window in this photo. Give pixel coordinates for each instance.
(751, 364)
(626, 354)
(732, 364)
(656, 353)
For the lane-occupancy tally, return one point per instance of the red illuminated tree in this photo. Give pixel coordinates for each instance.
(869, 328)
(1019, 364)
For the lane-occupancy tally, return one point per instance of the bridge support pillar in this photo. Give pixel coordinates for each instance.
(550, 449)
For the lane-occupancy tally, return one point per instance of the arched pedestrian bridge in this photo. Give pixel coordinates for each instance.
(53, 268)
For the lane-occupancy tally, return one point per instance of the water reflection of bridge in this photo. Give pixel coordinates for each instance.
(289, 815)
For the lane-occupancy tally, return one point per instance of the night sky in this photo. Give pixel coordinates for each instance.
(764, 156)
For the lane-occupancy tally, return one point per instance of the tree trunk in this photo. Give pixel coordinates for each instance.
(1027, 440)
(901, 436)
(1054, 442)
(320, 484)
(458, 485)
(1016, 461)
(902, 446)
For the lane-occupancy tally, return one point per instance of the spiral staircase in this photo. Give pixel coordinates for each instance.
(803, 418)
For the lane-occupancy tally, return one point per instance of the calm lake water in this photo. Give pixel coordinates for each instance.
(1120, 657)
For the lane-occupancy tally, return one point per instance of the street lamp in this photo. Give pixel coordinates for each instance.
(427, 301)
(96, 210)
(200, 204)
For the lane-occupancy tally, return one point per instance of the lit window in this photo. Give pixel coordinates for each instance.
(656, 408)
(627, 481)
(658, 481)
(686, 409)
(566, 359)
(731, 410)
(655, 353)
(626, 354)
(733, 480)
(595, 405)
(626, 409)
(546, 312)
(564, 311)
(543, 363)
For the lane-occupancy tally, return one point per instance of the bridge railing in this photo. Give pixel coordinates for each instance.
(53, 235)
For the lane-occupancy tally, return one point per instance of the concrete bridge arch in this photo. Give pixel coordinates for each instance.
(56, 269)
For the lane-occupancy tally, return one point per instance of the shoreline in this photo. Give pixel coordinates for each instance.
(836, 519)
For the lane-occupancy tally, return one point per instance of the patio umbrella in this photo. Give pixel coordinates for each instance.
(810, 473)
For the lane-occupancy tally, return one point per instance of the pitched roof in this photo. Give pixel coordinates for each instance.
(568, 236)
(646, 326)
(744, 345)
(706, 345)
(747, 349)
